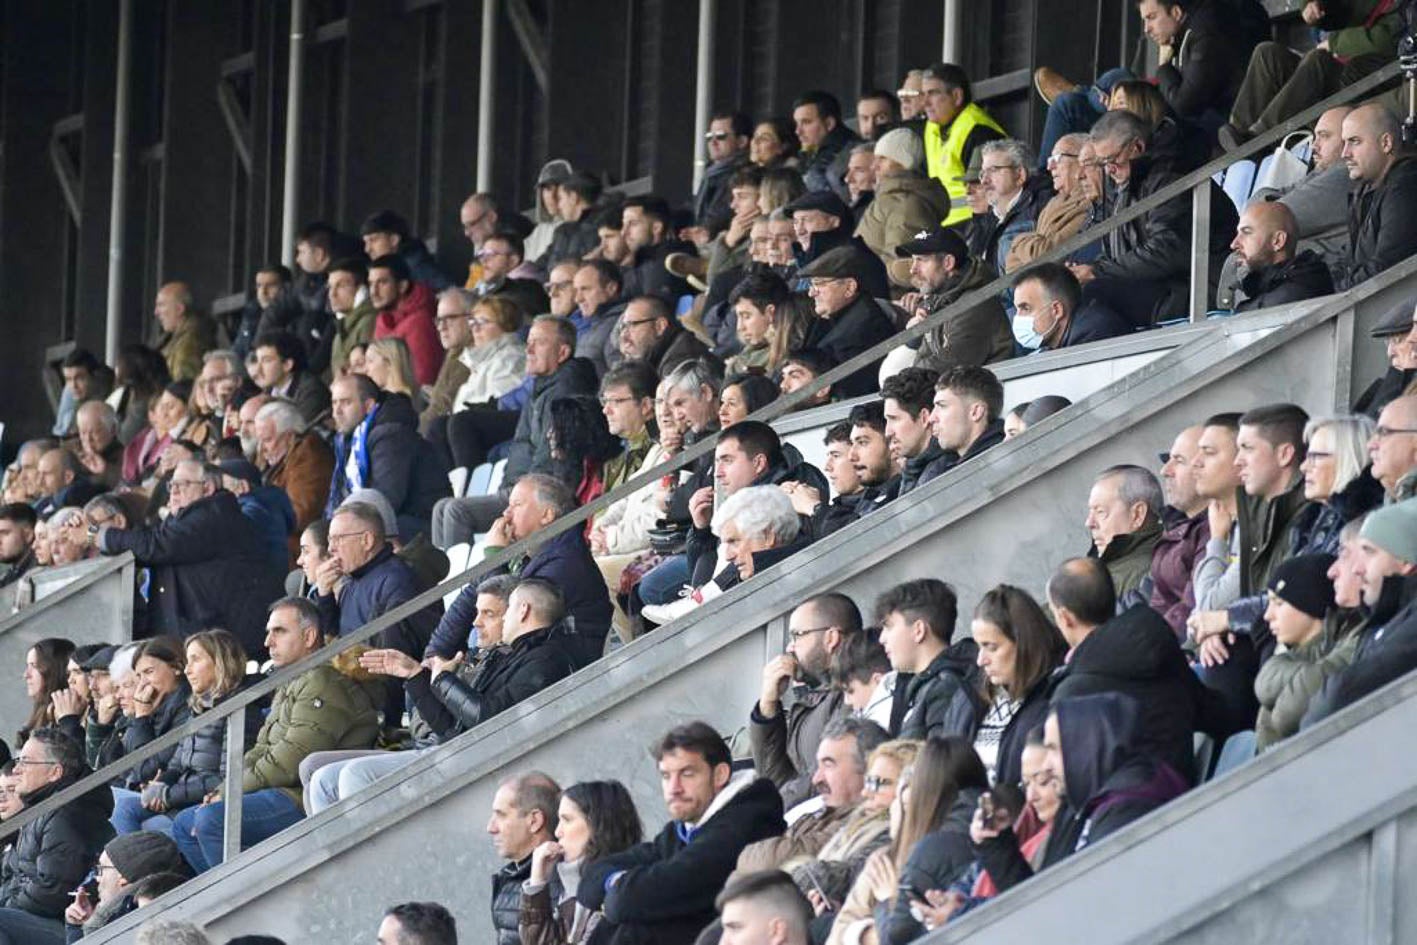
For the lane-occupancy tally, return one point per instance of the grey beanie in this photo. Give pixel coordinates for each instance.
(1393, 528)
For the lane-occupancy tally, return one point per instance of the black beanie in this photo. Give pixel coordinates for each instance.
(1302, 582)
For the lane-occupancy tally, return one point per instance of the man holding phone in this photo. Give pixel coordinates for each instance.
(121, 866)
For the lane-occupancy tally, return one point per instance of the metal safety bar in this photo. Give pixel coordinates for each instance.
(785, 404)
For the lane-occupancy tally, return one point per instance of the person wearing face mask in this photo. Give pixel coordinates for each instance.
(595, 819)
(1047, 296)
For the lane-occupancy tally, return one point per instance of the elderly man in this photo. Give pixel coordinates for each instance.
(1186, 529)
(1016, 197)
(848, 319)
(906, 201)
(1062, 217)
(208, 566)
(1380, 221)
(296, 460)
(1272, 269)
(131, 859)
(454, 323)
(222, 377)
(1399, 334)
(320, 710)
(1048, 295)
(798, 701)
(99, 451)
(52, 854)
(187, 334)
(1124, 522)
(62, 482)
(1393, 449)
(648, 333)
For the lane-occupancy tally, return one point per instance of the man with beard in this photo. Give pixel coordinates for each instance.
(1271, 273)
(797, 699)
(941, 271)
(877, 467)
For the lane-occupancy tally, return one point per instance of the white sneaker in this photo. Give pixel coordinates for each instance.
(662, 614)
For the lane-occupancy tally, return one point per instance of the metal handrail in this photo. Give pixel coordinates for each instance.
(232, 709)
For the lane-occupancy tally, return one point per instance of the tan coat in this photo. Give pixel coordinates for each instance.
(451, 376)
(1062, 219)
(903, 206)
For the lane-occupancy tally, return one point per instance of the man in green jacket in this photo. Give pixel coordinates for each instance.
(1360, 38)
(1124, 520)
(322, 710)
(354, 313)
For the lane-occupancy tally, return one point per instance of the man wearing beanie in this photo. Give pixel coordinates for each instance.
(1387, 650)
(126, 861)
(906, 200)
(1300, 596)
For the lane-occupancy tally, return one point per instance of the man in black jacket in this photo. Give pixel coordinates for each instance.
(1049, 294)
(917, 621)
(523, 818)
(663, 891)
(280, 371)
(1271, 272)
(1204, 47)
(1382, 229)
(1134, 654)
(52, 854)
(909, 398)
(1144, 270)
(209, 568)
(848, 319)
(648, 225)
(966, 418)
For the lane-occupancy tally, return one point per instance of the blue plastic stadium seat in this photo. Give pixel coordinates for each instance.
(1239, 181)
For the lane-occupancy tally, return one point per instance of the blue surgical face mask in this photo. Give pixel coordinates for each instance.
(1024, 333)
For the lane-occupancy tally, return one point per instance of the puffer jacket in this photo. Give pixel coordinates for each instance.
(199, 760)
(1290, 679)
(53, 853)
(507, 899)
(169, 713)
(904, 205)
(942, 697)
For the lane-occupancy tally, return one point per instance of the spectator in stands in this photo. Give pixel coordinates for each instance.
(1015, 197)
(1063, 216)
(98, 448)
(523, 818)
(85, 380)
(821, 222)
(1203, 47)
(726, 148)
(272, 307)
(492, 365)
(377, 446)
(955, 127)
(1272, 269)
(353, 309)
(1395, 327)
(627, 403)
(871, 456)
(1387, 568)
(161, 702)
(454, 323)
(1301, 594)
(599, 302)
(385, 233)
(774, 144)
(1337, 484)
(1097, 745)
(130, 859)
(941, 271)
(1019, 648)
(847, 491)
(53, 853)
(479, 218)
(418, 923)
(187, 334)
(317, 246)
(906, 201)
(801, 368)
(406, 309)
(1279, 83)
(1124, 521)
(140, 374)
(319, 710)
(650, 334)
(849, 319)
(1393, 449)
(1185, 530)
(576, 235)
(763, 908)
(861, 179)
(63, 482)
(649, 234)
(1133, 653)
(908, 398)
(664, 889)
(917, 622)
(966, 416)
(1144, 271)
(17, 522)
(297, 461)
(1381, 230)
(45, 673)
(220, 383)
(1048, 296)
(877, 112)
(825, 141)
(502, 255)
(785, 737)
(208, 567)
(280, 372)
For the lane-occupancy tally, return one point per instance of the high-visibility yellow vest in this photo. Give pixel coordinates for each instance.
(944, 155)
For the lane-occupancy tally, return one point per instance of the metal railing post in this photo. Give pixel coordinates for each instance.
(294, 99)
(1200, 250)
(231, 784)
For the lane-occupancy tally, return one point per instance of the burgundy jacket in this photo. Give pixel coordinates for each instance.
(1180, 546)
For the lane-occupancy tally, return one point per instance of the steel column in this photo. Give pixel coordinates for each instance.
(486, 96)
(234, 751)
(703, 86)
(118, 208)
(1200, 250)
(294, 94)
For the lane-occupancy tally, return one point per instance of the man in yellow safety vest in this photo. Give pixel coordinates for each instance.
(955, 126)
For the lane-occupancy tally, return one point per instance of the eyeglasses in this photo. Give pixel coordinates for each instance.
(1114, 159)
(907, 93)
(799, 634)
(875, 782)
(341, 537)
(988, 169)
(559, 286)
(609, 401)
(103, 867)
(639, 321)
(31, 761)
(472, 224)
(1316, 454)
(1061, 156)
(487, 253)
(175, 484)
(1382, 432)
(717, 136)
(817, 285)
(445, 319)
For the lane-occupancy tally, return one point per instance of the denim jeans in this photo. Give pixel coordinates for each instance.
(197, 830)
(662, 584)
(18, 927)
(340, 779)
(130, 816)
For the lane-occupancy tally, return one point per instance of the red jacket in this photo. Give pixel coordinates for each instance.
(412, 320)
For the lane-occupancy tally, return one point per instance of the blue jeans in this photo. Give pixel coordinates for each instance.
(18, 927)
(130, 816)
(1076, 111)
(197, 830)
(662, 583)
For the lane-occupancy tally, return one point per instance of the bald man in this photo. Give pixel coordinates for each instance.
(1381, 211)
(1272, 273)
(186, 335)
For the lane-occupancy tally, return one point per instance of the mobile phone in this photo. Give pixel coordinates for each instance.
(986, 804)
(812, 878)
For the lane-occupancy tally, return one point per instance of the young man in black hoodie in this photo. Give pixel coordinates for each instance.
(917, 621)
(967, 415)
(663, 891)
(909, 397)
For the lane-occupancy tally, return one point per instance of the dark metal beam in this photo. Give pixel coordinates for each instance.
(533, 42)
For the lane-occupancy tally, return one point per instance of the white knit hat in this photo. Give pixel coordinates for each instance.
(902, 146)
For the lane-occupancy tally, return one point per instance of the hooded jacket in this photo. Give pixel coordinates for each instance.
(1317, 525)
(942, 698)
(208, 570)
(422, 266)
(785, 746)
(1382, 229)
(976, 336)
(1173, 561)
(904, 205)
(596, 336)
(411, 319)
(530, 449)
(402, 466)
(816, 165)
(52, 854)
(1135, 654)
(1306, 276)
(662, 891)
(1109, 781)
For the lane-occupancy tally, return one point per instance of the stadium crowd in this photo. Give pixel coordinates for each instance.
(281, 477)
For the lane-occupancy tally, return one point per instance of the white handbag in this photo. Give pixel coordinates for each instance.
(1284, 168)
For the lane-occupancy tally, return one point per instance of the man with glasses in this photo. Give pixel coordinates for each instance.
(209, 568)
(726, 148)
(479, 219)
(1398, 331)
(1144, 271)
(849, 320)
(502, 255)
(649, 334)
(453, 319)
(797, 700)
(956, 126)
(125, 862)
(1393, 449)
(1062, 217)
(52, 854)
